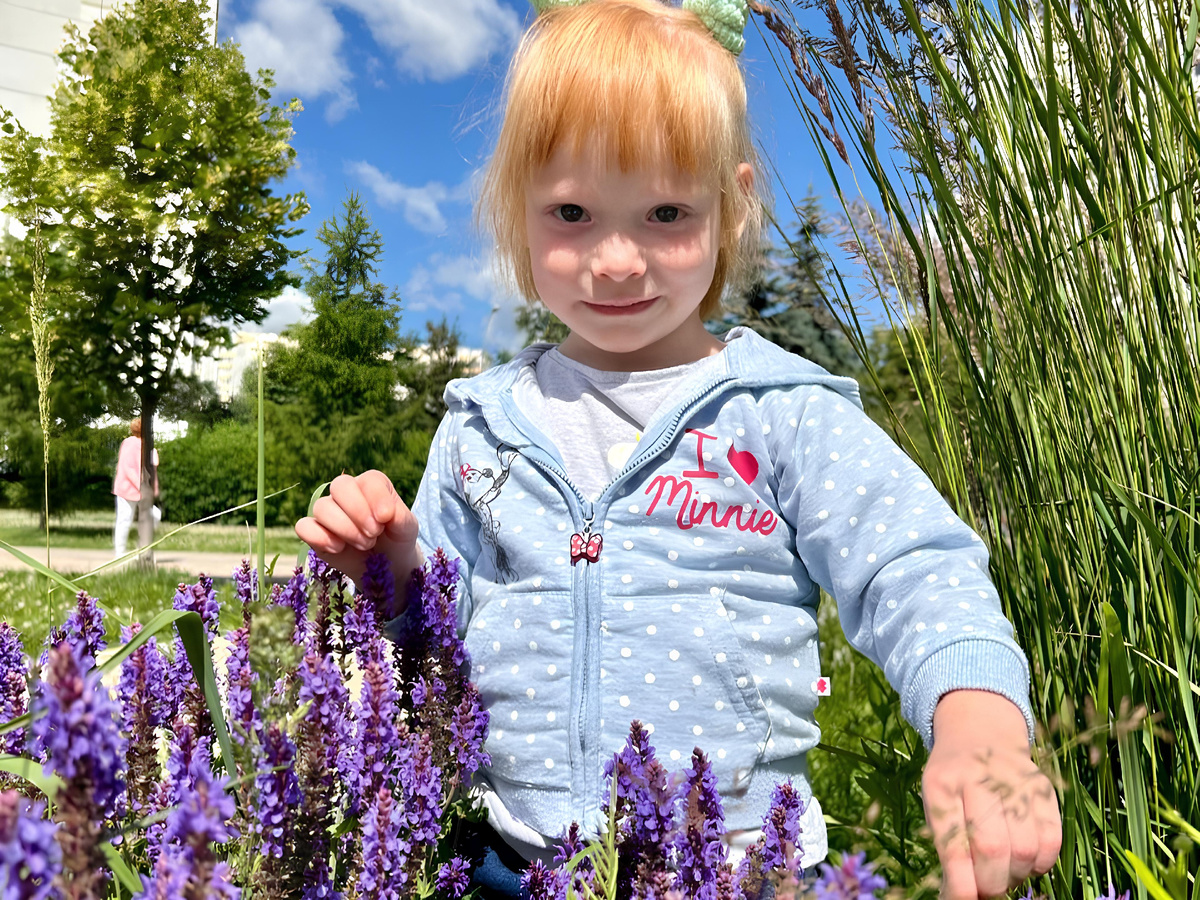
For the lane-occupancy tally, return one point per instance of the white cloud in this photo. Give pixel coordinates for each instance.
(439, 40)
(292, 306)
(450, 285)
(301, 40)
(421, 205)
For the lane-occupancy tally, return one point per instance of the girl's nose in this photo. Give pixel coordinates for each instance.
(618, 257)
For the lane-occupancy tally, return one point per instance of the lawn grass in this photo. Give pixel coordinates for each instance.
(92, 530)
(134, 596)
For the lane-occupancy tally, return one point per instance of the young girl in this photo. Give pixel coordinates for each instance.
(646, 513)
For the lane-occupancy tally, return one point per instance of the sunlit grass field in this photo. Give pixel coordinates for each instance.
(92, 530)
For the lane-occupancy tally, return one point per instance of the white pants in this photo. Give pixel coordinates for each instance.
(125, 511)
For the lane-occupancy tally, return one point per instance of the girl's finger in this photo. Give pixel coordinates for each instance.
(987, 832)
(379, 493)
(347, 495)
(320, 539)
(1048, 819)
(332, 516)
(944, 813)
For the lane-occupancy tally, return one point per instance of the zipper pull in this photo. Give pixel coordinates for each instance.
(586, 546)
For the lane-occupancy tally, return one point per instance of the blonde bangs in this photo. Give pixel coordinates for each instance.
(650, 84)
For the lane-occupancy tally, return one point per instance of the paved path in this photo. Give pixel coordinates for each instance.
(72, 561)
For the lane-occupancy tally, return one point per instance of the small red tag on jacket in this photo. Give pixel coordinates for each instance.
(821, 687)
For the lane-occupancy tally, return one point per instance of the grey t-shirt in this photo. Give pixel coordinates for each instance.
(595, 418)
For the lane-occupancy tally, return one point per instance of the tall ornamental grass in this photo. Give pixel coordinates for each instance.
(1038, 169)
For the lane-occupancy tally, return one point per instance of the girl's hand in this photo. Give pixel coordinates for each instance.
(993, 813)
(361, 515)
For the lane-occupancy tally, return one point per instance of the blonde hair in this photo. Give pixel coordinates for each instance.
(135, 427)
(648, 84)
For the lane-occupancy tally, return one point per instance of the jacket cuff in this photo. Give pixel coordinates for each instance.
(982, 665)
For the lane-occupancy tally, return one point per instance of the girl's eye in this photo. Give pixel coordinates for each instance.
(570, 212)
(666, 214)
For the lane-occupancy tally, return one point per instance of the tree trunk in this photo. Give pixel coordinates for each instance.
(145, 509)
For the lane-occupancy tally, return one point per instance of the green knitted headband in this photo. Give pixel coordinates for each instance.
(726, 19)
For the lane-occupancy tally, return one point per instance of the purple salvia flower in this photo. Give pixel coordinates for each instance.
(198, 821)
(468, 731)
(646, 810)
(14, 692)
(367, 759)
(854, 879)
(85, 626)
(201, 598)
(781, 829)
(379, 587)
(544, 883)
(361, 629)
(384, 852)
(584, 872)
(142, 690)
(700, 848)
(78, 728)
(186, 749)
(453, 878)
(186, 696)
(245, 583)
(421, 781)
(295, 596)
(30, 857)
(278, 792)
(319, 569)
(240, 681)
(167, 883)
(322, 733)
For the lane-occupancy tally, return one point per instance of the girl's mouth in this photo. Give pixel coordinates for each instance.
(621, 307)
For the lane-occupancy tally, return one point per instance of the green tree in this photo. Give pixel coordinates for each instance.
(538, 324)
(155, 182)
(343, 360)
(786, 302)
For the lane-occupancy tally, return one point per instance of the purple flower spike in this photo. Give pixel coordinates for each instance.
(167, 883)
(361, 629)
(295, 596)
(367, 760)
(700, 848)
(379, 587)
(422, 783)
(854, 879)
(83, 744)
(453, 878)
(544, 883)
(30, 857)
(198, 821)
(781, 828)
(1111, 895)
(468, 731)
(14, 693)
(239, 698)
(201, 598)
(385, 854)
(143, 688)
(245, 583)
(645, 809)
(278, 791)
(84, 628)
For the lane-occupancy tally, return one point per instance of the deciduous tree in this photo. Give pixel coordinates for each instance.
(155, 181)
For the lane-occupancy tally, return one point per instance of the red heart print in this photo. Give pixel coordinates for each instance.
(744, 464)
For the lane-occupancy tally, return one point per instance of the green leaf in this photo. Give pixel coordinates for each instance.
(32, 772)
(121, 869)
(1146, 877)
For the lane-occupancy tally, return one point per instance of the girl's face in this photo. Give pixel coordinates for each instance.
(624, 259)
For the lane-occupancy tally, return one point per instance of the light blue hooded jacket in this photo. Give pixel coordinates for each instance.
(686, 595)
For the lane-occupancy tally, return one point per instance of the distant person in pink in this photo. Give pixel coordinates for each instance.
(127, 485)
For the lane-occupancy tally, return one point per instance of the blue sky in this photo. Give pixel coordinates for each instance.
(399, 99)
